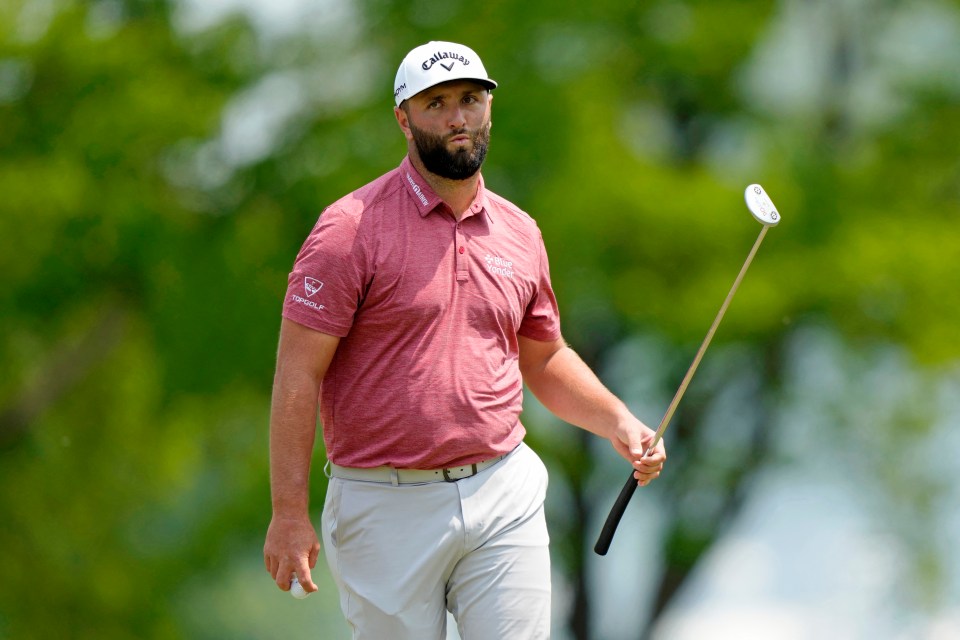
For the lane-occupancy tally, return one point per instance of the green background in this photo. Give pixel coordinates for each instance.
(160, 164)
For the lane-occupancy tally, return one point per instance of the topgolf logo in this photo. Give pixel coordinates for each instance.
(311, 286)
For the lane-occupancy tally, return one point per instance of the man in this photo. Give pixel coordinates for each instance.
(422, 303)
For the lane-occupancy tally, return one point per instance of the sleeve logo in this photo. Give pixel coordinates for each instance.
(311, 286)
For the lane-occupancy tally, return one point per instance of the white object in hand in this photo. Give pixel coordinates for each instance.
(296, 589)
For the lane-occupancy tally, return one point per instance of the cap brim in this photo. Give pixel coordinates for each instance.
(486, 82)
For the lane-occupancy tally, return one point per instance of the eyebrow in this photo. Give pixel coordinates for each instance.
(446, 93)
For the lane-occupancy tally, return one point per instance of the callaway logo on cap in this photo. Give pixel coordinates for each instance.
(436, 62)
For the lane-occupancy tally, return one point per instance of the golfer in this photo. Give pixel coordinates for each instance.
(417, 308)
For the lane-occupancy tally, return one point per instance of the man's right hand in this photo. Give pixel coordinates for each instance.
(291, 548)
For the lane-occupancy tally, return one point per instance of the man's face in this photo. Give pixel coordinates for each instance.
(450, 126)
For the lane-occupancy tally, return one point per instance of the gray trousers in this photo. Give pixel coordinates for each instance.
(402, 556)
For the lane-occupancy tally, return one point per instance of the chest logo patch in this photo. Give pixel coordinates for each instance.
(499, 266)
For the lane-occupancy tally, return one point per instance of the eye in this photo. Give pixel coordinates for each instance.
(470, 99)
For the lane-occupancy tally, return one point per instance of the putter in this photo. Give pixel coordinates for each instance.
(760, 205)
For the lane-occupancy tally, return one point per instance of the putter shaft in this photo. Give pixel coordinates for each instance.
(620, 506)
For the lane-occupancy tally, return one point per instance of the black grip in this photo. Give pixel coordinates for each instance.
(613, 518)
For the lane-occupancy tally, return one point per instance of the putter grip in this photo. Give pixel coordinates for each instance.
(613, 518)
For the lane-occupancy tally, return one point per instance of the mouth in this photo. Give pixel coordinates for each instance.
(460, 138)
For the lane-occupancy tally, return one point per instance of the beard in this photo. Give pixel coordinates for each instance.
(458, 165)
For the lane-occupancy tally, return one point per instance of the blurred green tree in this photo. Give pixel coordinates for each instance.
(158, 178)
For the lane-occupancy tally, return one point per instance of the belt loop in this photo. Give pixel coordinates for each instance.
(394, 477)
(326, 469)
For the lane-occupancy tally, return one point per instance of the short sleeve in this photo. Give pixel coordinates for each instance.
(326, 285)
(541, 320)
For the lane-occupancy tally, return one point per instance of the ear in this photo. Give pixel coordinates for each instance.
(404, 121)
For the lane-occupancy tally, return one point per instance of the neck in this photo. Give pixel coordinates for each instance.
(458, 194)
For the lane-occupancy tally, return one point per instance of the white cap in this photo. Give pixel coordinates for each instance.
(436, 62)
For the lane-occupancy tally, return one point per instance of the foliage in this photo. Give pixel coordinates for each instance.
(157, 181)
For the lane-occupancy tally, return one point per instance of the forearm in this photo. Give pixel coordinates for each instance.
(293, 419)
(291, 544)
(569, 389)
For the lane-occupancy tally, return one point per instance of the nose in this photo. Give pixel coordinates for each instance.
(456, 119)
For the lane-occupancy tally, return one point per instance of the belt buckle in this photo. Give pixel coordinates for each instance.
(448, 478)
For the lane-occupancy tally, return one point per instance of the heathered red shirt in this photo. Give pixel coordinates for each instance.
(428, 311)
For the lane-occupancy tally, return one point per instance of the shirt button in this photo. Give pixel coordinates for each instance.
(462, 249)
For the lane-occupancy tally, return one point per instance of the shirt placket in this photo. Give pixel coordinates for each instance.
(460, 255)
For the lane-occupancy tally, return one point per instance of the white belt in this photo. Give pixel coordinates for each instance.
(390, 475)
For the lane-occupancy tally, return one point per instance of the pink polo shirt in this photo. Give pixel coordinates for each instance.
(428, 311)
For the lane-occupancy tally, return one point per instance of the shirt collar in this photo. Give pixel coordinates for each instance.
(479, 204)
(425, 199)
(421, 193)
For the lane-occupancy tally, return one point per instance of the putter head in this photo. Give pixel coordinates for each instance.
(760, 205)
